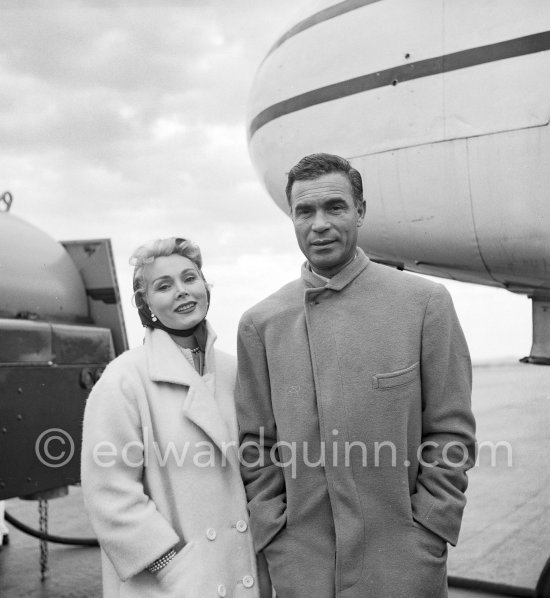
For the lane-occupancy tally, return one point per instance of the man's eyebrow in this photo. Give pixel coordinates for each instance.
(306, 201)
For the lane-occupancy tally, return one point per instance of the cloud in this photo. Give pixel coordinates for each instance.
(142, 102)
(114, 46)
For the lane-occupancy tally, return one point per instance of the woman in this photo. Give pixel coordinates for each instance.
(160, 468)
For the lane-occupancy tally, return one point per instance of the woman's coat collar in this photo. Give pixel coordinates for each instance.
(167, 363)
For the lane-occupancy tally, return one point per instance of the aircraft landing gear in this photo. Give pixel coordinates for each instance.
(540, 350)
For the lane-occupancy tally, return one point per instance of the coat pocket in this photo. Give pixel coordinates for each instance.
(168, 574)
(396, 378)
(429, 541)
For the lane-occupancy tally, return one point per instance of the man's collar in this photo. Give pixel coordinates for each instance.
(309, 265)
(322, 279)
(348, 273)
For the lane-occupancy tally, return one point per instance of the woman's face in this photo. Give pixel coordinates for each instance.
(175, 291)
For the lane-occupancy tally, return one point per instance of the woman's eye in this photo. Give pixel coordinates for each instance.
(163, 287)
(190, 279)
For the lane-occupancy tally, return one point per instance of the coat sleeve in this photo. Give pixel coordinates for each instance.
(129, 528)
(448, 426)
(263, 479)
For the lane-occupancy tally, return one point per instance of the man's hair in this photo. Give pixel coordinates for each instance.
(316, 165)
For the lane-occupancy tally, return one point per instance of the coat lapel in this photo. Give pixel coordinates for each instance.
(201, 408)
(167, 364)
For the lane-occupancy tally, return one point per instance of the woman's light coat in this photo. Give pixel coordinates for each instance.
(160, 468)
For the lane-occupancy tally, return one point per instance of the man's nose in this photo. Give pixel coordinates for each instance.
(320, 222)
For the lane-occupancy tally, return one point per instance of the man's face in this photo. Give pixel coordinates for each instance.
(326, 221)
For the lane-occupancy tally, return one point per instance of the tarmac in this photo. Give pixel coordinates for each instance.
(505, 536)
(74, 571)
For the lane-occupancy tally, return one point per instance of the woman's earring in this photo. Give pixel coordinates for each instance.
(153, 317)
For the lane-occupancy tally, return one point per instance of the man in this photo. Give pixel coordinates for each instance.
(353, 400)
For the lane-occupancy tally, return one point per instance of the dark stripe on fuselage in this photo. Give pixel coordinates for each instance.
(319, 17)
(520, 46)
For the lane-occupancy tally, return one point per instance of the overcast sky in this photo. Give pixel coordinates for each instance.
(126, 120)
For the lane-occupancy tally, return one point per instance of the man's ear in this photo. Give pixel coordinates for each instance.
(361, 211)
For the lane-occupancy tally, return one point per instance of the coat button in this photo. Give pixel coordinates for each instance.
(211, 533)
(221, 590)
(241, 525)
(248, 581)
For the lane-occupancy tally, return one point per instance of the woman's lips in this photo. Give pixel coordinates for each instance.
(185, 308)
